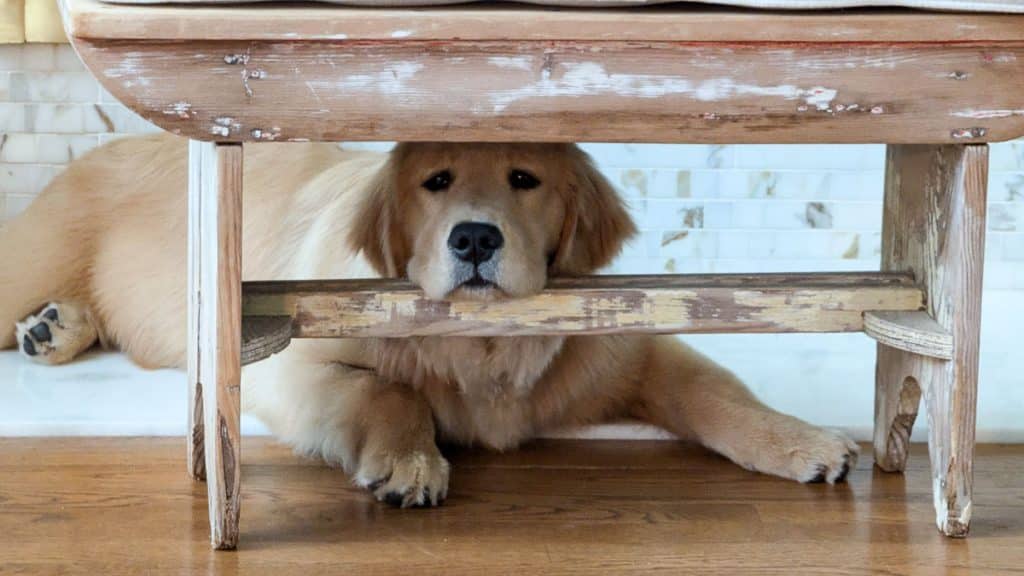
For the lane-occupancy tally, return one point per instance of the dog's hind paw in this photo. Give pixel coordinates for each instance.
(55, 334)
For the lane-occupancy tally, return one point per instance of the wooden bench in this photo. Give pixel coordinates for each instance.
(934, 87)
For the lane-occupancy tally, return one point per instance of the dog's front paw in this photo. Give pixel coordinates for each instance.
(418, 478)
(819, 455)
(55, 335)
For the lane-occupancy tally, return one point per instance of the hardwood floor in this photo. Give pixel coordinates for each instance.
(127, 506)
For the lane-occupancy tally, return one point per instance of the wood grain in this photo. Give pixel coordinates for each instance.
(913, 332)
(264, 336)
(622, 91)
(95, 19)
(594, 305)
(195, 438)
(216, 204)
(934, 226)
(122, 506)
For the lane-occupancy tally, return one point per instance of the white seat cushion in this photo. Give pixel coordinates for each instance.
(1006, 6)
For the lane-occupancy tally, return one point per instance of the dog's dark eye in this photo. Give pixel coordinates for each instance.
(522, 180)
(439, 181)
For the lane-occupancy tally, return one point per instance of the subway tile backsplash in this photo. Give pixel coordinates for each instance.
(700, 208)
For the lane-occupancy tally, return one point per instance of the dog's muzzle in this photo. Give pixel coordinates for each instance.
(474, 244)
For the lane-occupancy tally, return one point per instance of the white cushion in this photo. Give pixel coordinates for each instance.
(1007, 6)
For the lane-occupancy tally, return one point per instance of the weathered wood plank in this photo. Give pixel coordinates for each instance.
(934, 225)
(567, 90)
(215, 202)
(196, 436)
(94, 19)
(594, 305)
(264, 336)
(913, 332)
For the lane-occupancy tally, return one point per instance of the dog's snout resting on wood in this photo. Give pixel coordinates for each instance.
(100, 257)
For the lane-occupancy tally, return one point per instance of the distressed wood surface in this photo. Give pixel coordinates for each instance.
(934, 226)
(594, 305)
(913, 332)
(654, 91)
(264, 336)
(195, 438)
(95, 19)
(215, 203)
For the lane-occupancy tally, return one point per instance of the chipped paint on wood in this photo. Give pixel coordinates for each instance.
(513, 62)
(758, 303)
(180, 109)
(935, 225)
(985, 114)
(968, 133)
(579, 79)
(391, 79)
(601, 91)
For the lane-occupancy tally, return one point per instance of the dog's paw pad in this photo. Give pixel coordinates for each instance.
(415, 480)
(58, 333)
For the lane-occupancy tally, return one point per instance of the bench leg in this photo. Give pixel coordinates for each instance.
(194, 440)
(215, 321)
(934, 226)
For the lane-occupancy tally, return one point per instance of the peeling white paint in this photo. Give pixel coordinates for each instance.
(227, 122)
(877, 110)
(219, 130)
(391, 79)
(401, 33)
(180, 109)
(985, 114)
(268, 135)
(821, 98)
(589, 78)
(511, 62)
(128, 70)
(968, 133)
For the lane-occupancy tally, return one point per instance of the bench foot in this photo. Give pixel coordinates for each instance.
(215, 322)
(934, 227)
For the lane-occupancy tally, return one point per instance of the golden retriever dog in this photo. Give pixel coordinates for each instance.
(100, 256)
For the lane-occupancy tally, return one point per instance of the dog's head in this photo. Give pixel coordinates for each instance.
(489, 221)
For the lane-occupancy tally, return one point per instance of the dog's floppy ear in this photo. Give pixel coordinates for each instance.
(596, 222)
(377, 227)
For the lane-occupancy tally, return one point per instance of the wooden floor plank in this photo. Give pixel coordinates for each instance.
(120, 506)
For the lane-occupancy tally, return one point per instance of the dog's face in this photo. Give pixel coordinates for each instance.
(489, 221)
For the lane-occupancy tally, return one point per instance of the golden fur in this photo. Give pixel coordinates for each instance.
(105, 243)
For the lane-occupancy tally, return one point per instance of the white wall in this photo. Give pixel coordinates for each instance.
(700, 209)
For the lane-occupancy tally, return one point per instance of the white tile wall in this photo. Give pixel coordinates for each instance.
(51, 112)
(699, 208)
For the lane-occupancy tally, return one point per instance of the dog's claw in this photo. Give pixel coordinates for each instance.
(842, 473)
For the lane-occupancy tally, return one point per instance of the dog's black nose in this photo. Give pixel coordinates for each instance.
(475, 242)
